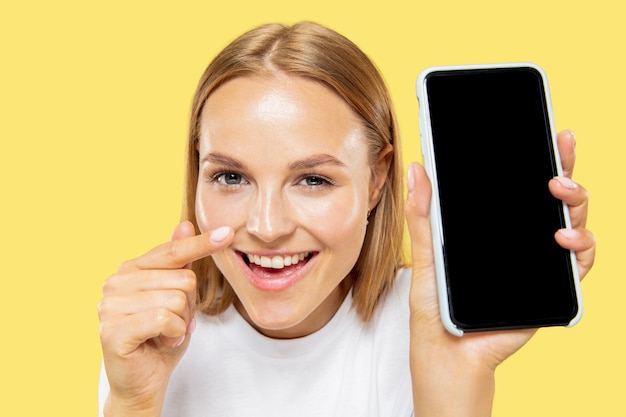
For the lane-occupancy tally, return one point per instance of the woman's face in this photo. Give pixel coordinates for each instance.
(284, 162)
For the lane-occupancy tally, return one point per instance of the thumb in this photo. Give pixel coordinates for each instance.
(423, 297)
(417, 212)
(182, 230)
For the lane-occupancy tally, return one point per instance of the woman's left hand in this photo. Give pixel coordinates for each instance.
(432, 347)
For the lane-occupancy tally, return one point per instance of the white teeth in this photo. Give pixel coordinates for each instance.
(277, 262)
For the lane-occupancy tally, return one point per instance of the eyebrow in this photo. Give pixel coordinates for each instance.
(315, 161)
(299, 165)
(221, 159)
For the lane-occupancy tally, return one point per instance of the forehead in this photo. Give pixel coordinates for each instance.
(282, 110)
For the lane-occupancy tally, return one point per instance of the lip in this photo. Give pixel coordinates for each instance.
(275, 280)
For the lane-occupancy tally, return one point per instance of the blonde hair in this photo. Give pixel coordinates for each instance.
(309, 50)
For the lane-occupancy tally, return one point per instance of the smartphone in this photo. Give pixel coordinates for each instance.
(489, 148)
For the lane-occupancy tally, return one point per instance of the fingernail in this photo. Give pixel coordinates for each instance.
(220, 234)
(567, 183)
(410, 181)
(573, 135)
(569, 233)
(180, 341)
(192, 326)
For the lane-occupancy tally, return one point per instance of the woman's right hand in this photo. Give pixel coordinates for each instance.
(146, 317)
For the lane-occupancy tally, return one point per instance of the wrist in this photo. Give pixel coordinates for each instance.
(452, 390)
(118, 407)
(450, 383)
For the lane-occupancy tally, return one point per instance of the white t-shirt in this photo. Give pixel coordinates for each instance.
(347, 368)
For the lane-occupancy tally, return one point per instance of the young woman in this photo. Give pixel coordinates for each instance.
(283, 291)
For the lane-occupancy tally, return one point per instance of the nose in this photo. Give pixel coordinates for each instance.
(270, 217)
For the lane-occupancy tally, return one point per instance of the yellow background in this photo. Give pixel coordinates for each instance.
(94, 100)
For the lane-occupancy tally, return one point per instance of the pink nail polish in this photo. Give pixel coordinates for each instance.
(567, 183)
(569, 233)
(410, 182)
(220, 234)
(192, 326)
(180, 341)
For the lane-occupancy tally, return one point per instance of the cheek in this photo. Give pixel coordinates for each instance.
(213, 211)
(336, 219)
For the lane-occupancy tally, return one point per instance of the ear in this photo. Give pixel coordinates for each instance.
(379, 175)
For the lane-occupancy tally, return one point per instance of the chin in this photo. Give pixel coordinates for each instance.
(274, 319)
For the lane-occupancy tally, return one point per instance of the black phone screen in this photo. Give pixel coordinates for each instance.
(494, 155)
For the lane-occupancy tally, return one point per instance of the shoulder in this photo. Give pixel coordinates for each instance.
(403, 280)
(398, 294)
(393, 308)
(390, 332)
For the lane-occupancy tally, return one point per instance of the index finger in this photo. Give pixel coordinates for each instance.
(178, 253)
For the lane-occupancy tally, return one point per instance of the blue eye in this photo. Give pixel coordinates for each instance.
(314, 181)
(229, 178)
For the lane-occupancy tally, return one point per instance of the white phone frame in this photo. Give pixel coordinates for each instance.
(431, 170)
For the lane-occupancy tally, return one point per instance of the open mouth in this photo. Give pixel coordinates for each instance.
(276, 262)
(277, 272)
